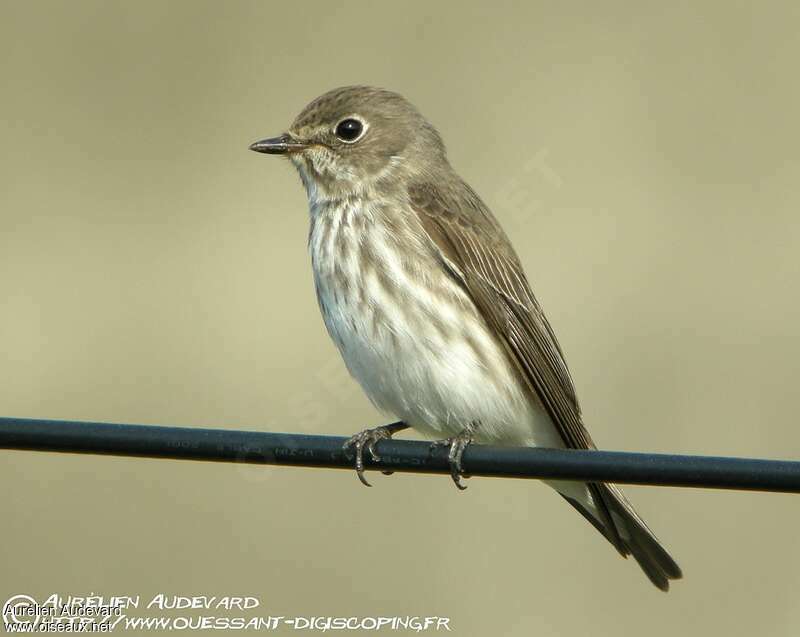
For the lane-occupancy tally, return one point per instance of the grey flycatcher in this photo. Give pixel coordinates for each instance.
(428, 303)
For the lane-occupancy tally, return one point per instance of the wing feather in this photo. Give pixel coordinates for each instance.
(476, 250)
(479, 254)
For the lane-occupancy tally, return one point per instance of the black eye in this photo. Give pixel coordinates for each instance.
(349, 130)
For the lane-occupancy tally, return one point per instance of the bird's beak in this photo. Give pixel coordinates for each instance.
(278, 145)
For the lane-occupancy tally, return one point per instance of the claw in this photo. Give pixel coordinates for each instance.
(371, 448)
(457, 445)
(359, 444)
(369, 438)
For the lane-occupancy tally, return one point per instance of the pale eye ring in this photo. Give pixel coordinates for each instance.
(350, 130)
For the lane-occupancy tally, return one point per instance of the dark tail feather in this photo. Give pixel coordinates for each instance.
(630, 535)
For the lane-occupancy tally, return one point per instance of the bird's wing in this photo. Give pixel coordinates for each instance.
(479, 256)
(476, 251)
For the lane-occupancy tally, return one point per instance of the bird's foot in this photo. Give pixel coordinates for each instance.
(457, 446)
(368, 439)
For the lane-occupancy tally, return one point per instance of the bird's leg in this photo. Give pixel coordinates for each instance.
(457, 446)
(369, 438)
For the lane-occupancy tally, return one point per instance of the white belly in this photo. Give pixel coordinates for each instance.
(413, 339)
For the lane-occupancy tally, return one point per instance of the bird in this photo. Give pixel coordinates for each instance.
(428, 303)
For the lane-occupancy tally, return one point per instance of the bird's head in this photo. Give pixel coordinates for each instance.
(356, 138)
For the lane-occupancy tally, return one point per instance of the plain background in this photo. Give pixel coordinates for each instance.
(644, 158)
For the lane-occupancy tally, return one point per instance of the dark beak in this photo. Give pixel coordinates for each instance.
(278, 145)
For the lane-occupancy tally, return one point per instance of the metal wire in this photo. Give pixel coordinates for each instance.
(300, 450)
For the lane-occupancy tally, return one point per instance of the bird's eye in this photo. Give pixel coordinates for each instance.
(349, 130)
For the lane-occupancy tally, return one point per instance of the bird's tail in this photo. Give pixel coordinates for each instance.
(609, 511)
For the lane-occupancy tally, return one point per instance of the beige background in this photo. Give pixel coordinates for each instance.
(152, 270)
